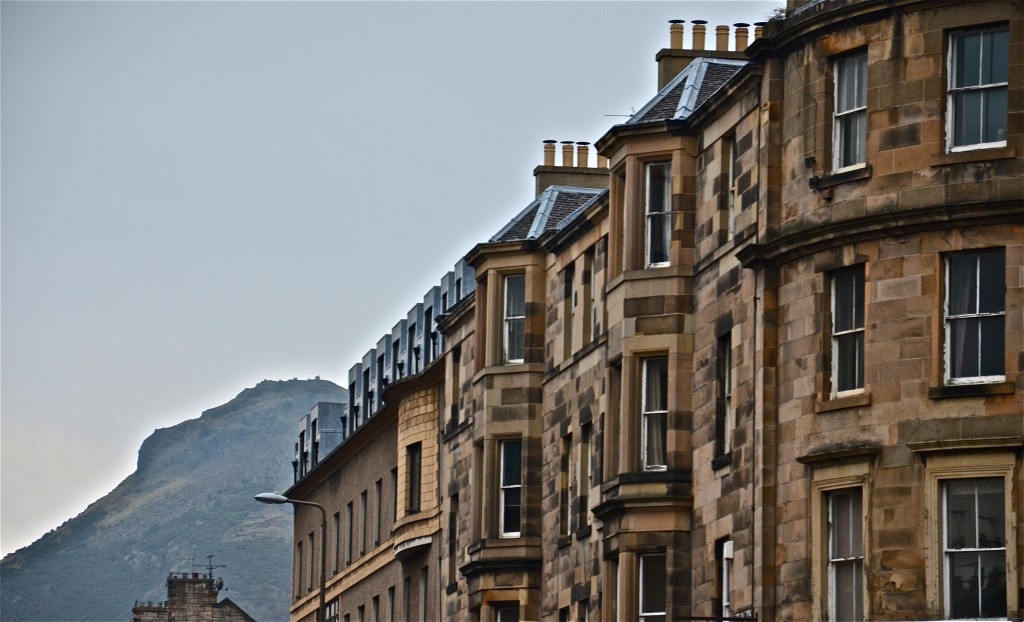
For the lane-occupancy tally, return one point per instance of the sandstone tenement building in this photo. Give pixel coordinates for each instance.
(764, 360)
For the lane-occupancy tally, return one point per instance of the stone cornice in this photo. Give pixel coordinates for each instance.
(813, 239)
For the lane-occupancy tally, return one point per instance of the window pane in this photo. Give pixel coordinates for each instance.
(993, 282)
(655, 440)
(652, 588)
(991, 521)
(963, 357)
(515, 295)
(856, 531)
(963, 585)
(993, 584)
(995, 64)
(655, 381)
(847, 598)
(963, 284)
(508, 614)
(968, 118)
(862, 80)
(841, 520)
(995, 115)
(515, 348)
(660, 237)
(849, 304)
(850, 360)
(512, 509)
(511, 463)
(658, 187)
(968, 54)
(960, 514)
(992, 346)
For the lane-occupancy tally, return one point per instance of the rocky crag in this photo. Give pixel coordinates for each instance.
(190, 496)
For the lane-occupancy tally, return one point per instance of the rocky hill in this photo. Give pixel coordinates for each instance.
(190, 496)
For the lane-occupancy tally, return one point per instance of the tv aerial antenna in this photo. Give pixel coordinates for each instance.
(210, 566)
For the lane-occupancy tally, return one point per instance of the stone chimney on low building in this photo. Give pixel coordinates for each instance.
(677, 57)
(573, 170)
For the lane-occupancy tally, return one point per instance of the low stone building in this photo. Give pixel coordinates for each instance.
(190, 598)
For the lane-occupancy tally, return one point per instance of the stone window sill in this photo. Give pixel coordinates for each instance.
(841, 403)
(836, 179)
(970, 390)
(721, 461)
(974, 155)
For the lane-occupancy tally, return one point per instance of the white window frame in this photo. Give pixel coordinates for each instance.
(946, 552)
(503, 486)
(726, 579)
(645, 413)
(726, 380)
(506, 613)
(652, 218)
(833, 560)
(568, 493)
(508, 320)
(952, 90)
(837, 333)
(839, 138)
(949, 319)
(642, 614)
(942, 466)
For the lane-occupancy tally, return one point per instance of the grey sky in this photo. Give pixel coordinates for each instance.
(198, 196)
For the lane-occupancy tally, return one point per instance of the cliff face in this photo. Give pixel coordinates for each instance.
(190, 496)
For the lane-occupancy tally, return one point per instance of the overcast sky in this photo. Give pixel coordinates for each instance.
(199, 196)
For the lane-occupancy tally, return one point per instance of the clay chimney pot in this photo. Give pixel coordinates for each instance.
(675, 34)
(722, 38)
(568, 153)
(583, 154)
(549, 152)
(698, 33)
(741, 36)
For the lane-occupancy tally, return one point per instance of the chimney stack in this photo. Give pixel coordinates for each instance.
(574, 170)
(741, 36)
(698, 33)
(675, 34)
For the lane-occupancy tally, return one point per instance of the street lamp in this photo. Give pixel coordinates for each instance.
(275, 499)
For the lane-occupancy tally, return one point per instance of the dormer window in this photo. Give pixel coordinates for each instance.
(659, 213)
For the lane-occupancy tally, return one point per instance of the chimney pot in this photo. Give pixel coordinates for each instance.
(759, 29)
(602, 161)
(583, 154)
(568, 153)
(675, 34)
(722, 38)
(698, 33)
(741, 36)
(549, 152)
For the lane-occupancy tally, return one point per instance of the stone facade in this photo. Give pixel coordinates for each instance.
(771, 369)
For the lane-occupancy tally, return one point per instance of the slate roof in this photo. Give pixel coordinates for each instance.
(552, 210)
(688, 90)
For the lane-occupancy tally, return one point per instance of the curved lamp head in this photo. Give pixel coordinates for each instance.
(272, 498)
